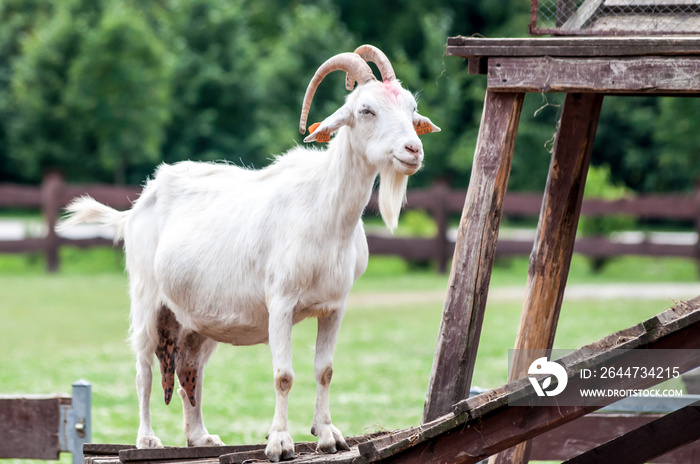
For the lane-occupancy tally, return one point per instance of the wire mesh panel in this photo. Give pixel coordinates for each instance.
(615, 17)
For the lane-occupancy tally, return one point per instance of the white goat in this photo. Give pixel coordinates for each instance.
(216, 253)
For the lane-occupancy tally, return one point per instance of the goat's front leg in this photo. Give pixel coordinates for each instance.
(330, 439)
(280, 445)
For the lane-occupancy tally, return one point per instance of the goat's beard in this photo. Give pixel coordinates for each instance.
(392, 196)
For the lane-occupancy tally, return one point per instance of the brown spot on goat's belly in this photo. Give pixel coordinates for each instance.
(168, 330)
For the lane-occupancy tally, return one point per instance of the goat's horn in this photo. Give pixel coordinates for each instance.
(351, 63)
(376, 56)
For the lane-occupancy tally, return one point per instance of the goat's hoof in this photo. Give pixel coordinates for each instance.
(206, 440)
(280, 447)
(330, 440)
(148, 442)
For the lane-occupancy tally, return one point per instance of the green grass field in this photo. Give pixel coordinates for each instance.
(60, 328)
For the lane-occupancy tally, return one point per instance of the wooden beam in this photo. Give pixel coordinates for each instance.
(554, 243)
(474, 253)
(648, 441)
(644, 75)
(471, 47)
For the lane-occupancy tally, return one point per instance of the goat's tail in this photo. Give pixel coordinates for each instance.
(86, 209)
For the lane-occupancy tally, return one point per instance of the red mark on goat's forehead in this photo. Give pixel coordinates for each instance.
(393, 88)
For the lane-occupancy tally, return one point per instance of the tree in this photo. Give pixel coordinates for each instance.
(213, 81)
(17, 17)
(41, 130)
(119, 86)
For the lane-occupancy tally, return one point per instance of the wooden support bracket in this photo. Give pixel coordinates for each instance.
(554, 244)
(474, 253)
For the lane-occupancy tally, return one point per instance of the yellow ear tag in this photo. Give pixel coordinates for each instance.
(323, 137)
(422, 128)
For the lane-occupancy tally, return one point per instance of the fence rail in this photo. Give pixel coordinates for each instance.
(439, 201)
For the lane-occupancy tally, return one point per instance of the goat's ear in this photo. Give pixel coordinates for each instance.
(322, 132)
(423, 125)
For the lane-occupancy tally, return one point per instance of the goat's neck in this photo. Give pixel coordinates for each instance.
(348, 181)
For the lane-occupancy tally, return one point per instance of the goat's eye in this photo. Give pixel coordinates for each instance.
(367, 112)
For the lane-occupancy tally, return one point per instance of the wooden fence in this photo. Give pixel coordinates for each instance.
(53, 195)
(439, 201)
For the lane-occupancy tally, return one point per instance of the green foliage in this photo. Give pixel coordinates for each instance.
(106, 89)
(119, 90)
(40, 127)
(599, 184)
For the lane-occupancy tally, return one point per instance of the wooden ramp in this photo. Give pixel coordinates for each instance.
(486, 424)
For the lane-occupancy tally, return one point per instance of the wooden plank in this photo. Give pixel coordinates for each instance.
(29, 426)
(647, 75)
(105, 449)
(648, 441)
(16, 195)
(22, 246)
(471, 47)
(487, 424)
(415, 249)
(183, 453)
(587, 432)
(119, 197)
(601, 247)
(583, 14)
(554, 244)
(663, 206)
(474, 253)
(306, 452)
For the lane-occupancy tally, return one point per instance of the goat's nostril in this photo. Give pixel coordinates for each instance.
(412, 148)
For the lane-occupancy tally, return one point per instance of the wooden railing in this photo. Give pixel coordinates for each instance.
(439, 201)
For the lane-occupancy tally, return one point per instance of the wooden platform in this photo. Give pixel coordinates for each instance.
(607, 65)
(481, 426)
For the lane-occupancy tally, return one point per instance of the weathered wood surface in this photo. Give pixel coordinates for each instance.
(649, 441)
(472, 47)
(486, 424)
(644, 75)
(582, 15)
(105, 449)
(29, 426)
(554, 244)
(587, 432)
(474, 253)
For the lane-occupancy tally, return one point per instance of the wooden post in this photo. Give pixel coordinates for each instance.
(51, 195)
(554, 243)
(463, 313)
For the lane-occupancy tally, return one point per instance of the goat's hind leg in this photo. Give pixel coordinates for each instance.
(144, 345)
(194, 351)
